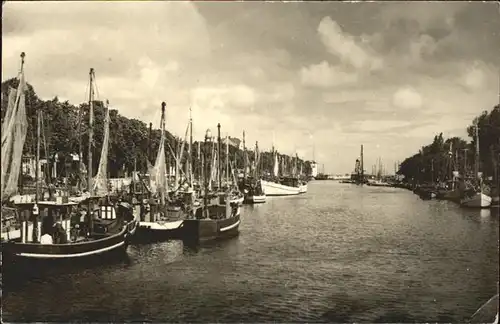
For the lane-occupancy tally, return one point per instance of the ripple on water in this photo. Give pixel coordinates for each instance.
(339, 253)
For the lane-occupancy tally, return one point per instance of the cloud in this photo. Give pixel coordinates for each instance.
(475, 76)
(325, 75)
(363, 70)
(407, 98)
(345, 47)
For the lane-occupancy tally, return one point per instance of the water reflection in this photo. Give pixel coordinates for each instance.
(338, 253)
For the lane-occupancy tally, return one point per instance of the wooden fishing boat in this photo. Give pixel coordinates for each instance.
(475, 196)
(474, 199)
(251, 186)
(254, 194)
(281, 187)
(49, 238)
(214, 221)
(52, 231)
(163, 212)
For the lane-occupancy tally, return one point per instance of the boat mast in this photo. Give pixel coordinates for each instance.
(91, 130)
(362, 166)
(227, 161)
(218, 156)
(163, 105)
(37, 161)
(91, 133)
(190, 158)
(206, 154)
(257, 160)
(244, 157)
(148, 157)
(476, 165)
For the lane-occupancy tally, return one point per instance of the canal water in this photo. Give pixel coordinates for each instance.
(340, 253)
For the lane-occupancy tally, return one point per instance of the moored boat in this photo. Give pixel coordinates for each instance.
(476, 200)
(67, 239)
(48, 232)
(282, 187)
(214, 221)
(163, 212)
(252, 186)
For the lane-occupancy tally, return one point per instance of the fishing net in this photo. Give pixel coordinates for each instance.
(100, 181)
(14, 130)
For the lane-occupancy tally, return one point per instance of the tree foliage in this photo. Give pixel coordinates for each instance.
(129, 138)
(436, 160)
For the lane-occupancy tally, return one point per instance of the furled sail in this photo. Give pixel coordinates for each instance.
(100, 181)
(14, 128)
(159, 170)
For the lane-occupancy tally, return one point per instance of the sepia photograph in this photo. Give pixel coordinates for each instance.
(250, 161)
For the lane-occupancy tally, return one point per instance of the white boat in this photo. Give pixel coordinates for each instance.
(237, 200)
(477, 200)
(277, 189)
(258, 199)
(303, 188)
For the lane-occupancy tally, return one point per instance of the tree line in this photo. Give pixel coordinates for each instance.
(437, 160)
(130, 143)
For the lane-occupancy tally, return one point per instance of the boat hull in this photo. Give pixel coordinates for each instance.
(199, 231)
(254, 199)
(276, 189)
(477, 200)
(303, 188)
(27, 259)
(150, 232)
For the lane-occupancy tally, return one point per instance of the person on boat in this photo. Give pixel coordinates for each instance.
(59, 234)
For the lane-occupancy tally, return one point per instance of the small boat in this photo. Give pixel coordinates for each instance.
(252, 186)
(475, 195)
(214, 221)
(162, 212)
(255, 199)
(475, 200)
(65, 238)
(253, 192)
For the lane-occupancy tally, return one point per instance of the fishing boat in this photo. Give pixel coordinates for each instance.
(279, 184)
(251, 185)
(475, 196)
(214, 221)
(163, 211)
(51, 231)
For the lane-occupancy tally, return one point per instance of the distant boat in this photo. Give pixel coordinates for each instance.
(281, 186)
(475, 197)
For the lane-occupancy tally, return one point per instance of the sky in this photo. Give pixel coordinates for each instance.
(317, 78)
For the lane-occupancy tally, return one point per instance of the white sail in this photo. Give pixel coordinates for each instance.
(159, 170)
(276, 165)
(100, 181)
(14, 130)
